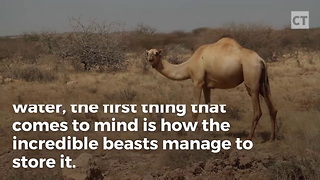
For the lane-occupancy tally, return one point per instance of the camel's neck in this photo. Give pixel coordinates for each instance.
(173, 71)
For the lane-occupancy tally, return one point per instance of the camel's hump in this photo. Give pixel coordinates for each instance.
(227, 40)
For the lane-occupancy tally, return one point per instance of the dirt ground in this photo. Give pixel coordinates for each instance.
(294, 155)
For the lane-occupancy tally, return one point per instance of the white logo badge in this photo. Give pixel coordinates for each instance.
(299, 19)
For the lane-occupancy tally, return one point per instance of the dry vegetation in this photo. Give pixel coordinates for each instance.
(51, 68)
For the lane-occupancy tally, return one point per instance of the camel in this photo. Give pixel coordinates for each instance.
(222, 65)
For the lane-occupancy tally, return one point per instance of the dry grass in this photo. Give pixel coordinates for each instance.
(49, 79)
(295, 90)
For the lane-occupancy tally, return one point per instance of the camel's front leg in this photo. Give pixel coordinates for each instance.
(207, 98)
(197, 97)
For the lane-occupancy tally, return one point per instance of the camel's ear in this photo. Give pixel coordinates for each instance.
(147, 52)
(160, 51)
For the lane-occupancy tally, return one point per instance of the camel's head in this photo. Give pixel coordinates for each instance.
(154, 56)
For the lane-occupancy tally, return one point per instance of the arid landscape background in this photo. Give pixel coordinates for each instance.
(104, 64)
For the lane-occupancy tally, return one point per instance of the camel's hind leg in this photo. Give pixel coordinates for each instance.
(252, 76)
(265, 92)
(272, 113)
(256, 110)
(256, 81)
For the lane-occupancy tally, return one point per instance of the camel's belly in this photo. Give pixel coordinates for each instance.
(222, 84)
(224, 79)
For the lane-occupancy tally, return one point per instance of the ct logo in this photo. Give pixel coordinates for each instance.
(299, 19)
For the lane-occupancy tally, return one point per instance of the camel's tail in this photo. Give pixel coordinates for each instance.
(264, 81)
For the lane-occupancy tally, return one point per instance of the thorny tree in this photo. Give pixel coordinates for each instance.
(95, 45)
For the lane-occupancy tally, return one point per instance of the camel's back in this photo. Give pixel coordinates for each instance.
(226, 41)
(224, 50)
(223, 47)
